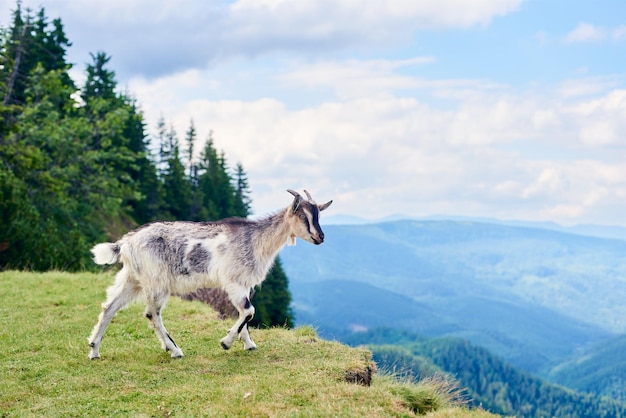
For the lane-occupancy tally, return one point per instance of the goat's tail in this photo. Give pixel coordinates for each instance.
(106, 253)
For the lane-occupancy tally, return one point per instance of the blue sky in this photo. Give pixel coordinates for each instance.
(508, 109)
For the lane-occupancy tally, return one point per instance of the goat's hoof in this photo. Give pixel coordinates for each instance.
(94, 353)
(250, 346)
(177, 354)
(226, 343)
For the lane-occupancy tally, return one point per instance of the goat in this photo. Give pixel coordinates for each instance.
(234, 254)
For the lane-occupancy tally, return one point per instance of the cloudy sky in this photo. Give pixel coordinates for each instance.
(507, 109)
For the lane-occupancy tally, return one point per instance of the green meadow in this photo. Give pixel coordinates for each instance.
(45, 319)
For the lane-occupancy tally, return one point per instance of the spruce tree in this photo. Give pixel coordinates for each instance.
(272, 300)
(30, 42)
(190, 139)
(208, 173)
(242, 201)
(130, 145)
(176, 185)
(100, 81)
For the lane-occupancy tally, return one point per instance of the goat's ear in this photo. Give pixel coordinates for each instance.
(297, 199)
(324, 206)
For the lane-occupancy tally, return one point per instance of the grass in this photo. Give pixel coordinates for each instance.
(45, 320)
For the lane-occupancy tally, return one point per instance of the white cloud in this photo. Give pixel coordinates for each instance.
(602, 120)
(196, 34)
(356, 78)
(495, 152)
(587, 86)
(376, 135)
(619, 33)
(352, 21)
(586, 32)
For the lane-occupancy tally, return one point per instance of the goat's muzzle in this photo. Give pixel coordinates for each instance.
(318, 239)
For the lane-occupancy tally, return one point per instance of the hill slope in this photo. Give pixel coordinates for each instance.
(45, 319)
(600, 369)
(533, 296)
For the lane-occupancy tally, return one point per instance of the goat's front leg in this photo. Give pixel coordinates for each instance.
(239, 298)
(244, 335)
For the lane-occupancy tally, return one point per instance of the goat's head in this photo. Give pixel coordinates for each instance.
(303, 215)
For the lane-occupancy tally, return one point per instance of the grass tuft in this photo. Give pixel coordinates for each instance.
(431, 394)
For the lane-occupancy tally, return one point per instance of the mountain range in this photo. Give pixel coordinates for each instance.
(544, 298)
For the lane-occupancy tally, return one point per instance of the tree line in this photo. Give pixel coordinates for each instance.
(77, 165)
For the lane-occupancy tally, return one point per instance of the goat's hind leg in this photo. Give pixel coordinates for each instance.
(154, 306)
(119, 296)
(240, 298)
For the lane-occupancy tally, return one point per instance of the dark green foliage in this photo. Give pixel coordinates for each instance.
(272, 300)
(242, 201)
(176, 184)
(76, 166)
(100, 80)
(69, 186)
(30, 42)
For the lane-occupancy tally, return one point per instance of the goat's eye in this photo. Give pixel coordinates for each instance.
(302, 216)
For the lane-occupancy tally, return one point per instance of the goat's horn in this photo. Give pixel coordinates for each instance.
(308, 196)
(297, 199)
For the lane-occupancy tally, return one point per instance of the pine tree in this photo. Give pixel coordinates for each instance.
(100, 81)
(14, 46)
(272, 300)
(69, 191)
(28, 43)
(129, 145)
(208, 175)
(146, 201)
(178, 191)
(190, 139)
(242, 202)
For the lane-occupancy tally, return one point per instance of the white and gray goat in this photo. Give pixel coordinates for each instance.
(164, 258)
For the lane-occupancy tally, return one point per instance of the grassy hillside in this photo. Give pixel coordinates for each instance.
(45, 320)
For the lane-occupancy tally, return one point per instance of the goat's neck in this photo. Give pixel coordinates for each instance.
(271, 235)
